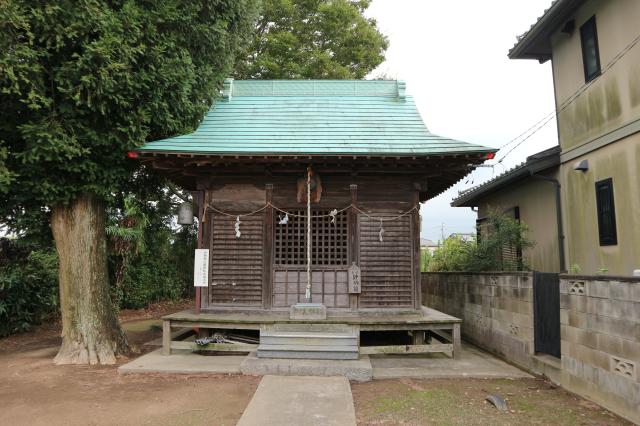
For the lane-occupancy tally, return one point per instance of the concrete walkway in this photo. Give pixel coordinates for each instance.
(300, 401)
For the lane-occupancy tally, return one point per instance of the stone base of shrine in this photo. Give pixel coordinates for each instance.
(432, 331)
(472, 363)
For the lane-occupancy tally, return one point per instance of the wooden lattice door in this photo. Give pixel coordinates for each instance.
(329, 255)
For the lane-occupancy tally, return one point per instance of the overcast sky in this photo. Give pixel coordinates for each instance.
(453, 56)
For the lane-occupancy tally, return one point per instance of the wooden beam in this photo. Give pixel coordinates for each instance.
(217, 347)
(406, 349)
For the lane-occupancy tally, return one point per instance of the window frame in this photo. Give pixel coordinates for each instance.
(590, 24)
(612, 238)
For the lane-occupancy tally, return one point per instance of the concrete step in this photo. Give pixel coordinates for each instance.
(310, 341)
(306, 338)
(310, 327)
(307, 352)
(353, 369)
(307, 348)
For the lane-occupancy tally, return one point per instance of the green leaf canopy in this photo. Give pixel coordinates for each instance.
(84, 82)
(313, 39)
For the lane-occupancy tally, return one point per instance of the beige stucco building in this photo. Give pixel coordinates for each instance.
(528, 192)
(594, 46)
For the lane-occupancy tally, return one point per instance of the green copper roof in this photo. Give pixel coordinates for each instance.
(315, 117)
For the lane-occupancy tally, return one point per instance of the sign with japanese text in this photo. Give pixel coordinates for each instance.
(201, 268)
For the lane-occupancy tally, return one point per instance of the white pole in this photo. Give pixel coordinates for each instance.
(308, 289)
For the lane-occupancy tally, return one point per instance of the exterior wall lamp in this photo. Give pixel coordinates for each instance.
(581, 166)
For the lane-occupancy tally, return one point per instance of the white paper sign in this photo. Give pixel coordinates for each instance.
(201, 268)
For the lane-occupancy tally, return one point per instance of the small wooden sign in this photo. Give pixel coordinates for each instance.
(201, 268)
(354, 279)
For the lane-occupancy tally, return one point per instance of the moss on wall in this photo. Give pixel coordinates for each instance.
(634, 86)
(612, 95)
(617, 161)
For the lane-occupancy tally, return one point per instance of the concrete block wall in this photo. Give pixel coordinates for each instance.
(600, 332)
(496, 309)
(599, 320)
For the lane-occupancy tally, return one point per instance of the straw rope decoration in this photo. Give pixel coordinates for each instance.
(283, 221)
(331, 214)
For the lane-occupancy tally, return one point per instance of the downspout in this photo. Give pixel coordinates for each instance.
(556, 183)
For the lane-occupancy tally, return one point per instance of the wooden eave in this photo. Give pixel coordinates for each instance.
(433, 173)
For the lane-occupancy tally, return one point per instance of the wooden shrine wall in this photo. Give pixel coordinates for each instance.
(250, 272)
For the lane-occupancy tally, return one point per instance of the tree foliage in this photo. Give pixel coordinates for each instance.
(83, 82)
(501, 237)
(28, 285)
(150, 258)
(321, 39)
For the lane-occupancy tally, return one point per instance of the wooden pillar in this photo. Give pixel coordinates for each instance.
(418, 337)
(198, 197)
(166, 337)
(267, 276)
(417, 293)
(457, 344)
(353, 241)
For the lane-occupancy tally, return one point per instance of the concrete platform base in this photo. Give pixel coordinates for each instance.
(473, 363)
(183, 362)
(359, 370)
(301, 401)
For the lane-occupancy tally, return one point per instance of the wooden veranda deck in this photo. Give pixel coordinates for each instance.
(445, 327)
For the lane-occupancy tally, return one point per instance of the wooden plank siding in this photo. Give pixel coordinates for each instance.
(387, 266)
(266, 277)
(236, 263)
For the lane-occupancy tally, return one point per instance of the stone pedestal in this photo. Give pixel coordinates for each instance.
(308, 311)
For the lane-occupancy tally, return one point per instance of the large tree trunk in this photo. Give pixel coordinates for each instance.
(90, 330)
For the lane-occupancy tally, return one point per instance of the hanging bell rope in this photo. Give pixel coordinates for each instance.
(307, 293)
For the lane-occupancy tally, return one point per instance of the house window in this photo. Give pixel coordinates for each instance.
(590, 52)
(606, 213)
(328, 239)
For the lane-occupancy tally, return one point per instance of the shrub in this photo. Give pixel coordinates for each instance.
(162, 272)
(452, 255)
(425, 259)
(501, 238)
(28, 290)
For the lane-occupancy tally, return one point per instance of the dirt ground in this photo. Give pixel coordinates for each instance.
(462, 402)
(35, 392)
